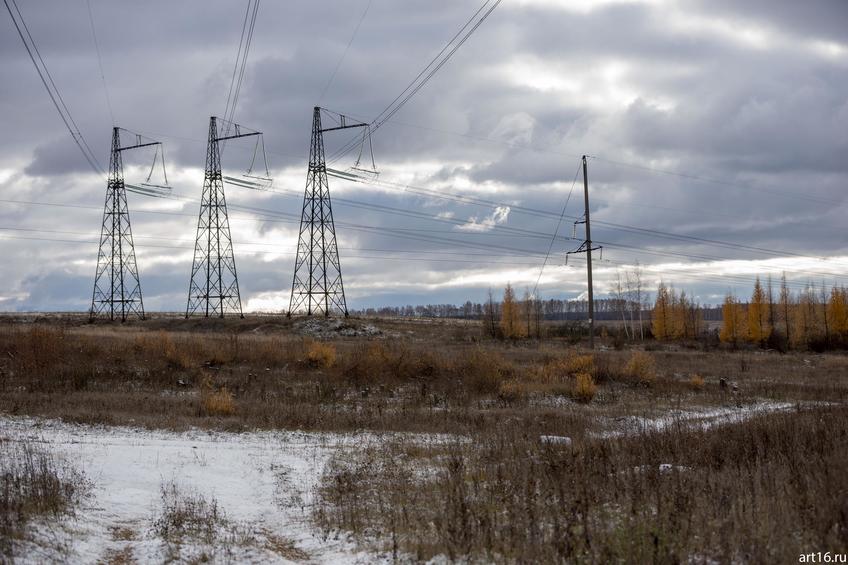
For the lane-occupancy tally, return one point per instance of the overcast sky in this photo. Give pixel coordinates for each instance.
(721, 120)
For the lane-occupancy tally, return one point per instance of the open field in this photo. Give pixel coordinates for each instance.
(424, 439)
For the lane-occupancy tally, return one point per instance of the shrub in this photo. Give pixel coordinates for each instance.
(641, 368)
(216, 402)
(511, 391)
(696, 382)
(187, 515)
(577, 364)
(507, 497)
(321, 354)
(33, 483)
(584, 387)
(484, 371)
(558, 370)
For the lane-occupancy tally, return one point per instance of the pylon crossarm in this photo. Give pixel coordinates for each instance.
(238, 136)
(138, 146)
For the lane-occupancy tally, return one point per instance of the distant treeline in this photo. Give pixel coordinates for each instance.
(815, 317)
(608, 309)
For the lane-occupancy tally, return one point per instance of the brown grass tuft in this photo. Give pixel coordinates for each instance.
(33, 483)
(641, 368)
(584, 387)
(216, 402)
(320, 354)
(696, 382)
(187, 515)
(580, 364)
(512, 391)
(483, 371)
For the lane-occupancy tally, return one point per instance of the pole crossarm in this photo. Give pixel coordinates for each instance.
(584, 248)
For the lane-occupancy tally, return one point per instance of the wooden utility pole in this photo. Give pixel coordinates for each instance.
(586, 247)
(589, 257)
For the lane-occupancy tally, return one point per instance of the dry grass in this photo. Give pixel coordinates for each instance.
(285, 548)
(321, 354)
(503, 495)
(186, 514)
(123, 556)
(696, 382)
(763, 491)
(641, 368)
(217, 402)
(122, 533)
(126, 375)
(33, 484)
(584, 387)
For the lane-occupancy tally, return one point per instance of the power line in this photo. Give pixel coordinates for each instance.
(610, 225)
(404, 233)
(435, 64)
(518, 232)
(556, 231)
(344, 54)
(50, 86)
(100, 61)
(407, 234)
(255, 252)
(708, 180)
(413, 87)
(241, 61)
(700, 276)
(380, 182)
(707, 277)
(655, 170)
(527, 210)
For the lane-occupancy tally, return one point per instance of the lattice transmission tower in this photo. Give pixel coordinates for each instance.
(317, 285)
(117, 289)
(213, 288)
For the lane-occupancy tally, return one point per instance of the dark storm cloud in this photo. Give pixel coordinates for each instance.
(750, 94)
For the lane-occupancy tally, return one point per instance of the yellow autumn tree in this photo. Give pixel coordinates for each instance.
(804, 318)
(786, 308)
(510, 314)
(682, 316)
(837, 311)
(759, 329)
(733, 320)
(661, 316)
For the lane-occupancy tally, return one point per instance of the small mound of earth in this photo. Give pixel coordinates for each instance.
(269, 329)
(335, 327)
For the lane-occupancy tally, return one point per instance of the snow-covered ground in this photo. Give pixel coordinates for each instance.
(263, 482)
(703, 418)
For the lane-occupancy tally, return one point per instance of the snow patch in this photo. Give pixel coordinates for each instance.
(697, 418)
(264, 483)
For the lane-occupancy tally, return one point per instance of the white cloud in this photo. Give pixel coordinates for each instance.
(497, 217)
